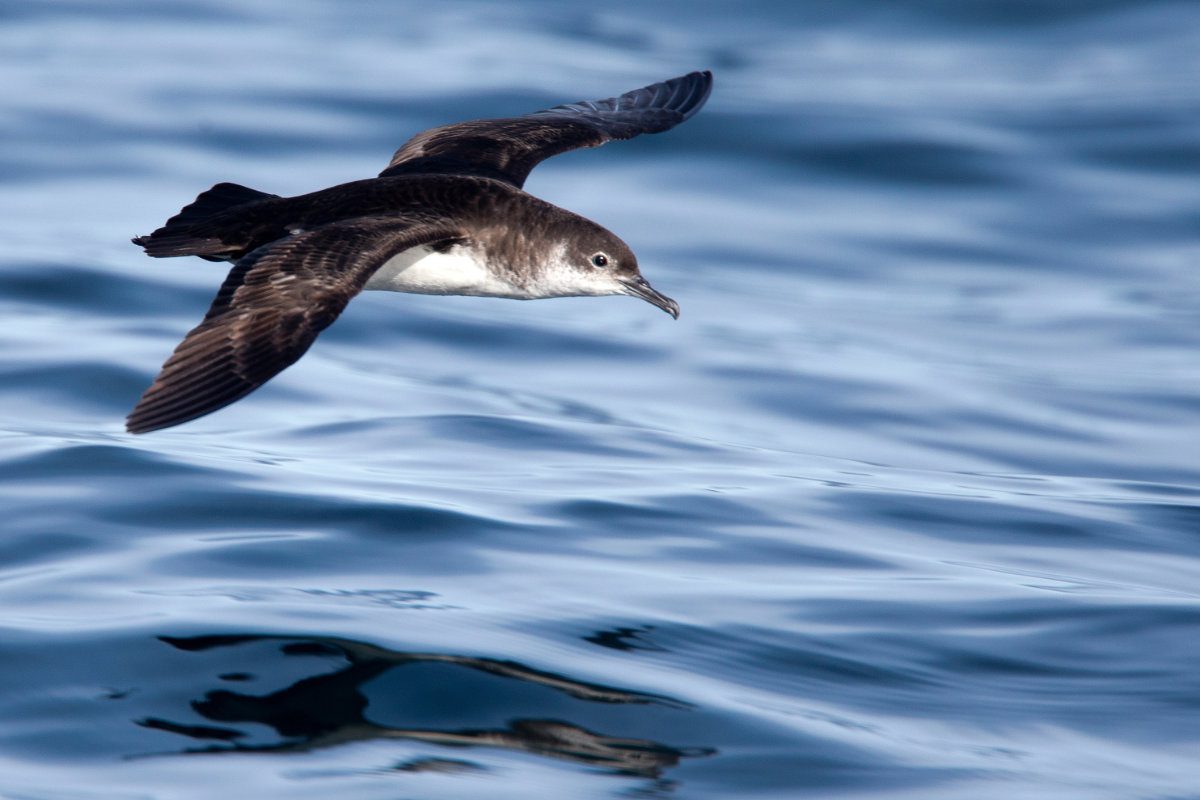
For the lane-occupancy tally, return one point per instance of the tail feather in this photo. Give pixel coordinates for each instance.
(186, 233)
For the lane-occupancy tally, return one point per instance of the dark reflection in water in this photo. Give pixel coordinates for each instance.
(624, 639)
(331, 709)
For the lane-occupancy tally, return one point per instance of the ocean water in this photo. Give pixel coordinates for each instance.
(905, 505)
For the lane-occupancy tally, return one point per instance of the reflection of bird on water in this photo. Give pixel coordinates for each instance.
(328, 709)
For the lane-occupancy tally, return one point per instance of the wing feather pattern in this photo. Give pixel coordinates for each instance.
(267, 313)
(508, 149)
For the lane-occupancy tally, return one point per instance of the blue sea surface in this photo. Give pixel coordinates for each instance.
(905, 506)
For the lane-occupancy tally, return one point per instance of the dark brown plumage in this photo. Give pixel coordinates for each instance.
(508, 149)
(268, 312)
(300, 260)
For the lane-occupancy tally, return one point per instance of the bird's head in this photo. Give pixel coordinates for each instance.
(594, 261)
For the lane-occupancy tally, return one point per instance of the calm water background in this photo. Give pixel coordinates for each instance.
(906, 504)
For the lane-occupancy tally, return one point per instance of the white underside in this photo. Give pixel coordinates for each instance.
(420, 270)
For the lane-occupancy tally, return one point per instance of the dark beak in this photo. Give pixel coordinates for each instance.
(637, 287)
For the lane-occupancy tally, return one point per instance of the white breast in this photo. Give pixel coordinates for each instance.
(420, 270)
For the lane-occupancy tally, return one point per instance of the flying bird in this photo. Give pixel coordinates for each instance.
(447, 216)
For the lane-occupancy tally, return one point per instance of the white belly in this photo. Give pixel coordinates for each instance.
(420, 270)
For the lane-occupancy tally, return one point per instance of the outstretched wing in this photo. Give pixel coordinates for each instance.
(268, 311)
(507, 149)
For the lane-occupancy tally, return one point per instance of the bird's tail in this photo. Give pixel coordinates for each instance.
(188, 234)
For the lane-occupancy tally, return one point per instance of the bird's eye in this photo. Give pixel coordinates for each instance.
(599, 260)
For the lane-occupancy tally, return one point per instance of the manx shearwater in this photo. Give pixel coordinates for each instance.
(447, 216)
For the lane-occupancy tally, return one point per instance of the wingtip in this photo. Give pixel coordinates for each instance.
(707, 77)
(151, 419)
(696, 87)
(136, 424)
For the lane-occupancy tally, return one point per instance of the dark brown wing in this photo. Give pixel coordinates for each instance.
(507, 149)
(267, 313)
